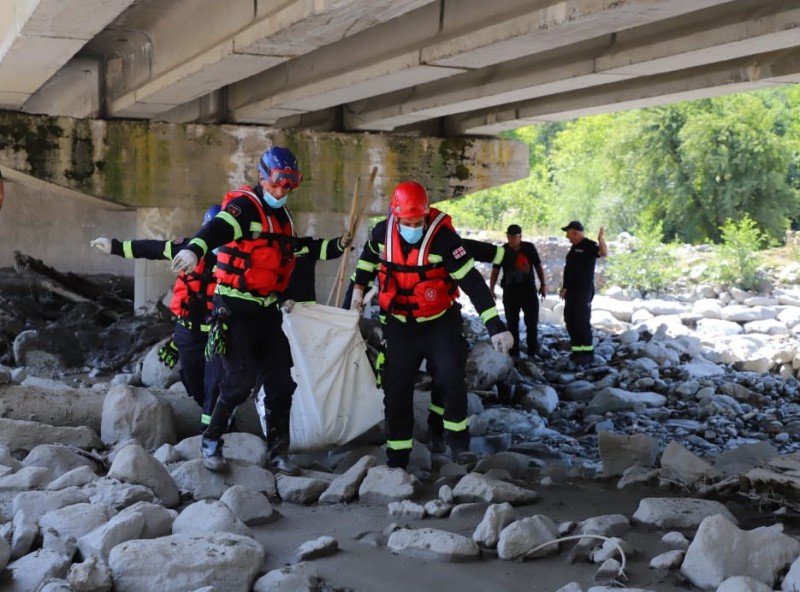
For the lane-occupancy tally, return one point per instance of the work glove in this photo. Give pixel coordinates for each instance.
(185, 261)
(357, 300)
(288, 305)
(168, 354)
(503, 342)
(215, 346)
(102, 244)
(345, 240)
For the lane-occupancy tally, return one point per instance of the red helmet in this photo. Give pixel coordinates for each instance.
(409, 200)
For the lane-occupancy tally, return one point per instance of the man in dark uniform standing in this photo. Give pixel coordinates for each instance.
(577, 289)
(519, 288)
(421, 263)
(255, 236)
(191, 305)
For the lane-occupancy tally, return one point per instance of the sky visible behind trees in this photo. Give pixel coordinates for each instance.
(689, 167)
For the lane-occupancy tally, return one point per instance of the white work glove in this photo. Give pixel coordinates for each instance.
(288, 305)
(345, 240)
(357, 300)
(503, 342)
(102, 244)
(185, 261)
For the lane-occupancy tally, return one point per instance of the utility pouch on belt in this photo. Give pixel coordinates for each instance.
(215, 346)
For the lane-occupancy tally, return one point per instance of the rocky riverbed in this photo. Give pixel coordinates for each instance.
(676, 446)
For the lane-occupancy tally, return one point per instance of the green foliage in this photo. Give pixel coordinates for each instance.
(691, 166)
(648, 267)
(738, 260)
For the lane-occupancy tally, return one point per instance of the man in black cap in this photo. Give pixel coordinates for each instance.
(577, 289)
(519, 287)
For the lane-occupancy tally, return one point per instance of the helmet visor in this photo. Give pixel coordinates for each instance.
(286, 178)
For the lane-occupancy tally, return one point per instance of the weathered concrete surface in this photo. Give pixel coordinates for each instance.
(150, 164)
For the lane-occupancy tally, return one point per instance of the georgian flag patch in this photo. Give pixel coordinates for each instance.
(459, 253)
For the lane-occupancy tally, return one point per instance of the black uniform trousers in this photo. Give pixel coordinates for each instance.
(442, 343)
(257, 353)
(522, 298)
(200, 377)
(577, 318)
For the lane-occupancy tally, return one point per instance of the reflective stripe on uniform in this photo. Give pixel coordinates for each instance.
(264, 301)
(188, 324)
(200, 243)
(464, 270)
(420, 319)
(399, 444)
(205, 419)
(433, 258)
(582, 348)
(498, 256)
(456, 426)
(436, 409)
(323, 249)
(489, 313)
(237, 228)
(127, 249)
(167, 252)
(366, 265)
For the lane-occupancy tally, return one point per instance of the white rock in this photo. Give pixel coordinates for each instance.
(251, 507)
(186, 562)
(675, 539)
(669, 512)
(743, 584)
(300, 577)
(668, 560)
(721, 550)
(320, 547)
(476, 487)
(133, 464)
(209, 516)
(496, 518)
(522, 536)
(130, 412)
(433, 544)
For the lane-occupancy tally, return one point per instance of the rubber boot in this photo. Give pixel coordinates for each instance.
(278, 444)
(211, 446)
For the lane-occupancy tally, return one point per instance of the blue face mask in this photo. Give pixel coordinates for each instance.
(275, 203)
(410, 234)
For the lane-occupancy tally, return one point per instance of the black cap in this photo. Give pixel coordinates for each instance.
(514, 229)
(574, 224)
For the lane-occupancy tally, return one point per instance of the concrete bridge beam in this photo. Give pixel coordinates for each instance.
(707, 37)
(739, 75)
(37, 37)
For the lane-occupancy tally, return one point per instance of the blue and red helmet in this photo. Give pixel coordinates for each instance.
(280, 166)
(211, 213)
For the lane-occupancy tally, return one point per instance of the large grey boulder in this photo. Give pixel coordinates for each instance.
(186, 562)
(133, 464)
(130, 412)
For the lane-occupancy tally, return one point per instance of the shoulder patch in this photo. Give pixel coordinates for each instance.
(459, 253)
(233, 210)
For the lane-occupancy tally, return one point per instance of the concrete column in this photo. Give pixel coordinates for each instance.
(154, 279)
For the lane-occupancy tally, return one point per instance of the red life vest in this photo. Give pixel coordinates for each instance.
(410, 285)
(261, 265)
(193, 291)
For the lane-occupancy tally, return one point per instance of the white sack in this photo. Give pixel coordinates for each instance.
(336, 398)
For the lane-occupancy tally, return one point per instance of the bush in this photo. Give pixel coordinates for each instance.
(649, 267)
(738, 260)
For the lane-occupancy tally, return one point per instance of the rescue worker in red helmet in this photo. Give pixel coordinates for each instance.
(255, 236)
(421, 263)
(191, 305)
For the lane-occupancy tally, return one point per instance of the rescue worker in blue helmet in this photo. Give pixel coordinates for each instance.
(191, 305)
(255, 236)
(421, 264)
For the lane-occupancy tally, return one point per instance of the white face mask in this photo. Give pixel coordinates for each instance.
(273, 202)
(411, 234)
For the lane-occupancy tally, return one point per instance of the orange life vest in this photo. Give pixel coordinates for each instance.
(410, 285)
(193, 291)
(261, 265)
